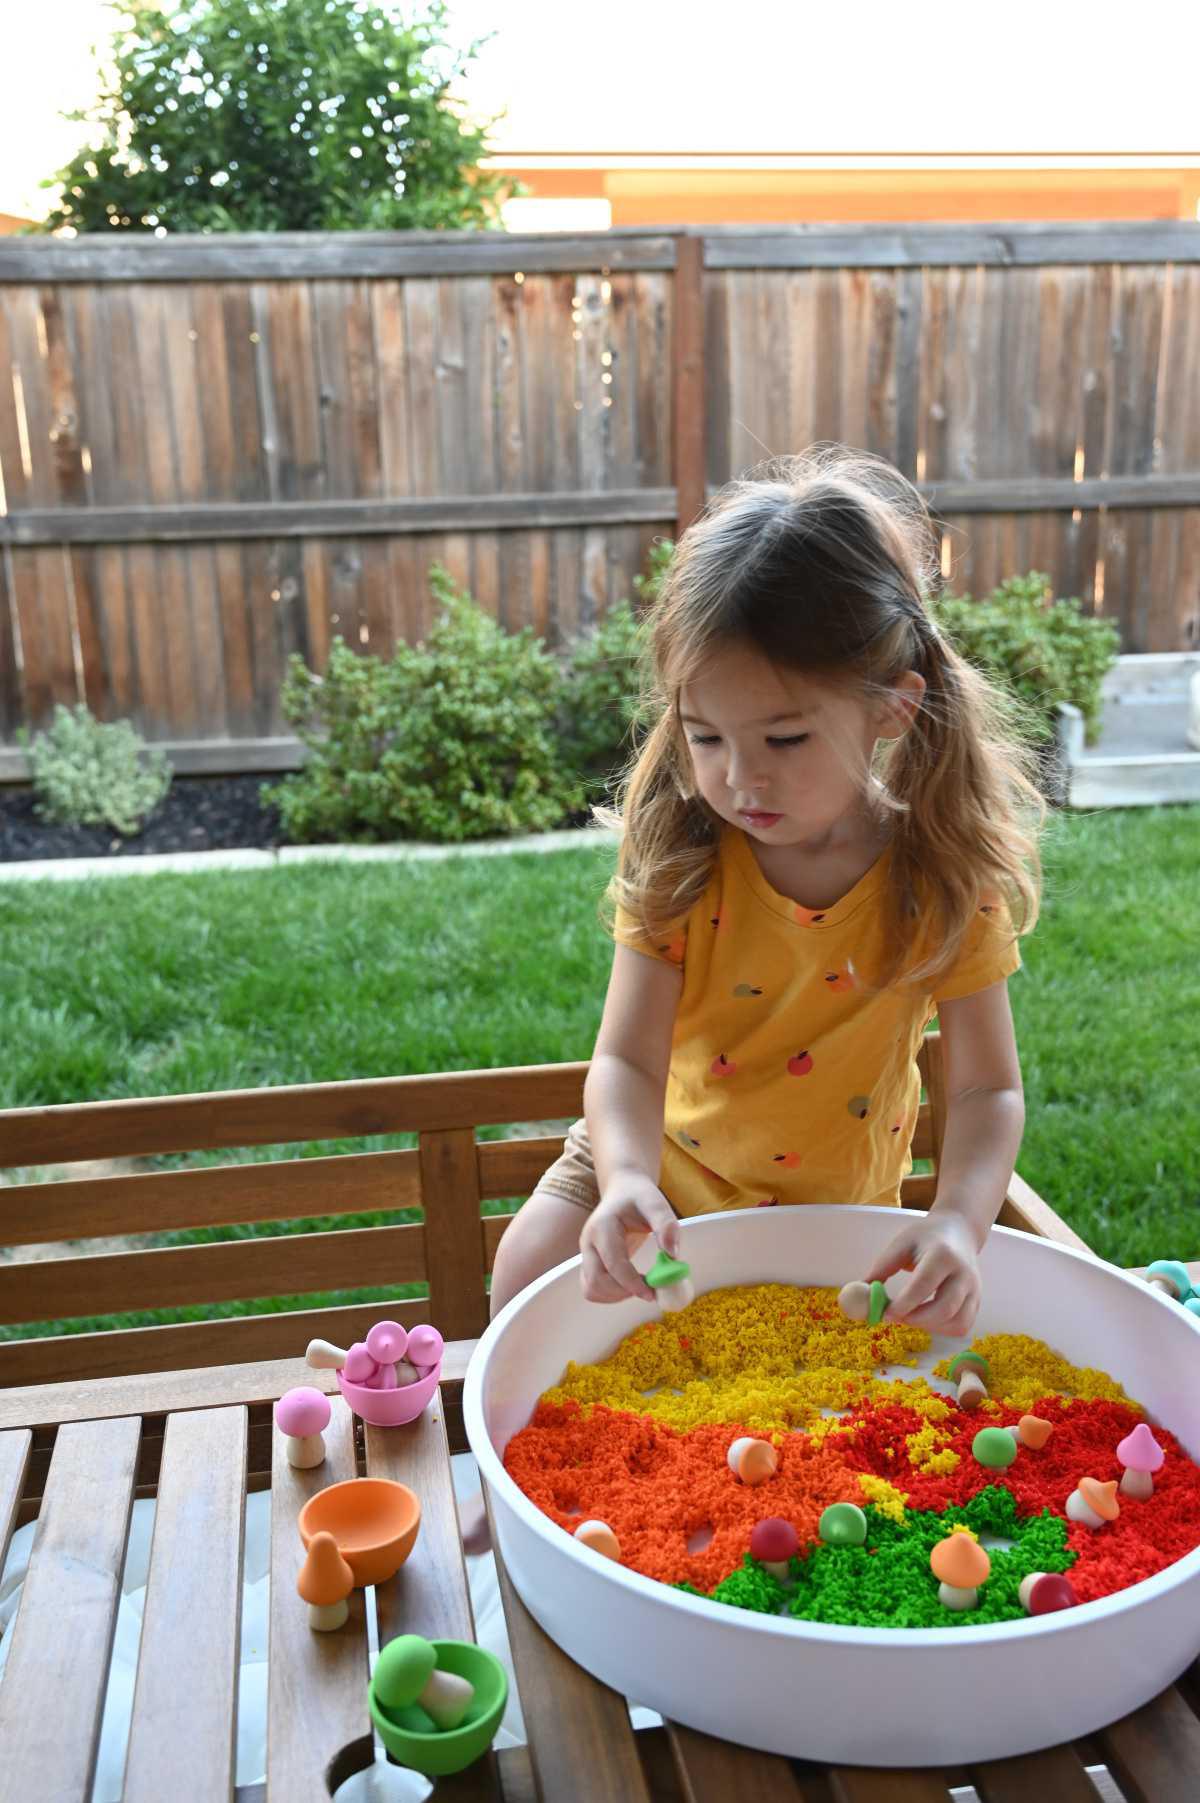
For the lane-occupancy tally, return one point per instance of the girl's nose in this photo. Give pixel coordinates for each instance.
(742, 775)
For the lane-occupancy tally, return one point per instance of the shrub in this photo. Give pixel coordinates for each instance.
(1041, 650)
(601, 701)
(86, 773)
(451, 739)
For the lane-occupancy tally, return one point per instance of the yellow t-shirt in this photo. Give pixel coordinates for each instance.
(790, 1079)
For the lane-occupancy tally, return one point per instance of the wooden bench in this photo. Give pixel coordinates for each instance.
(448, 1175)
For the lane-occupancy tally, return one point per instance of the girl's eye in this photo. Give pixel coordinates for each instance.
(696, 739)
(798, 739)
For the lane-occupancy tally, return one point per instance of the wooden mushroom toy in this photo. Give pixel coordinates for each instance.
(671, 1281)
(1172, 1278)
(325, 1582)
(753, 1461)
(407, 1673)
(864, 1301)
(969, 1370)
(1140, 1454)
(600, 1537)
(1042, 1592)
(301, 1414)
(961, 1565)
(387, 1342)
(774, 1543)
(323, 1355)
(1093, 1503)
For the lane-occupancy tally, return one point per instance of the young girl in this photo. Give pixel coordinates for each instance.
(826, 840)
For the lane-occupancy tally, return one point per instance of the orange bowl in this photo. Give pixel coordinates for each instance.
(374, 1521)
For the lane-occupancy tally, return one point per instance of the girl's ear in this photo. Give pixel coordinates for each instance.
(898, 708)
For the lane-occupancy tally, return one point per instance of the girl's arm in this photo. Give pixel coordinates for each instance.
(623, 1104)
(985, 1116)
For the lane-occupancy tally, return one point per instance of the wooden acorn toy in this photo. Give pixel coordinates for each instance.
(863, 1302)
(671, 1281)
(753, 1461)
(325, 1583)
(600, 1537)
(407, 1673)
(301, 1414)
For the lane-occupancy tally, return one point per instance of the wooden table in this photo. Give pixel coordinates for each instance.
(77, 1455)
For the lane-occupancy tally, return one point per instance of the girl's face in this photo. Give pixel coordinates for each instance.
(783, 755)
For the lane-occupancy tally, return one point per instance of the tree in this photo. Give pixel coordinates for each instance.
(279, 115)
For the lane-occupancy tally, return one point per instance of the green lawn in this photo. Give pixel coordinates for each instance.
(159, 985)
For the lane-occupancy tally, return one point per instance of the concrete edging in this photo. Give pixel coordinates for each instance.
(190, 862)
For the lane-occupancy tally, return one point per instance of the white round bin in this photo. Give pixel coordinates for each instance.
(862, 1696)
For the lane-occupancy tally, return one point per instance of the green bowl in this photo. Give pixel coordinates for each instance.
(407, 1734)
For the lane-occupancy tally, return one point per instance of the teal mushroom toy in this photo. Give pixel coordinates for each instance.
(1172, 1278)
(671, 1281)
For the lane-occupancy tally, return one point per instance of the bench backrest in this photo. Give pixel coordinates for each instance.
(449, 1175)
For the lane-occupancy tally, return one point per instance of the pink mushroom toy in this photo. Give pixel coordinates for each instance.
(773, 1542)
(359, 1366)
(1141, 1454)
(386, 1343)
(301, 1414)
(425, 1347)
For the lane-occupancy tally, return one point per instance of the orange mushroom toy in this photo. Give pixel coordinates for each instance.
(325, 1582)
(1032, 1431)
(753, 1461)
(962, 1566)
(1093, 1503)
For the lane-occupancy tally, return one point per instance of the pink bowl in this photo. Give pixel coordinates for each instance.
(391, 1408)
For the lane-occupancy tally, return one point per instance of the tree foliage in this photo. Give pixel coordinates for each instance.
(279, 115)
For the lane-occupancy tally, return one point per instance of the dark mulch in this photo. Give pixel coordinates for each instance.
(198, 813)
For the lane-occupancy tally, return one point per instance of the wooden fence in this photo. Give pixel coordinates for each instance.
(216, 451)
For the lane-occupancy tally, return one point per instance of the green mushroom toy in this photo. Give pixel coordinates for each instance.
(1172, 1278)
(671, 1281)
(406, 1673)
(994, 1447)
(969, 1370)
(843, 1524)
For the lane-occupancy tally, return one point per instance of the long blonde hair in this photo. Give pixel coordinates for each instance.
(825, 563)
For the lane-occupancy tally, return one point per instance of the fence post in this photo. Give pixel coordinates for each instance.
(687, 381)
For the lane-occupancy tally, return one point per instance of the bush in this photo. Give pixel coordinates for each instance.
(451, 739)
(86, 773)
(1041, 650)
(601, 701)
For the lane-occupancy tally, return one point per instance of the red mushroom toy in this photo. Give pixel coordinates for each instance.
(1044, 1591)
(774, 1543)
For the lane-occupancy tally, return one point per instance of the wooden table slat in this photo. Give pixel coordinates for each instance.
(1056, 1772)
(205, 1386)
(68, 1612)
(183, 1731)
(717, 1771)
(429, 1593)
(316, 1682)
(871, 1784)
(15, 1448)
(581, 1741)
(1154, 1753)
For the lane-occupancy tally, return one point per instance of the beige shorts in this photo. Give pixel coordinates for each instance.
(572, 1176)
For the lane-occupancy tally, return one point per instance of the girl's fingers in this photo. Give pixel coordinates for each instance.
(895, 1258)
(941, 1310)
(610, 1244)
(658, 1214)
(598, 1285)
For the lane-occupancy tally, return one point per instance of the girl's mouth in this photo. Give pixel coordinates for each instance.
(757, 818)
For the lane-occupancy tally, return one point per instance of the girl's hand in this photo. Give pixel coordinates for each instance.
(942, 1294)
(630, 1208)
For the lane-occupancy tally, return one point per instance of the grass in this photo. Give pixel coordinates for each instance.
(168, 984)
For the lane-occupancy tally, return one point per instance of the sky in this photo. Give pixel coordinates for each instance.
(948, 77)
